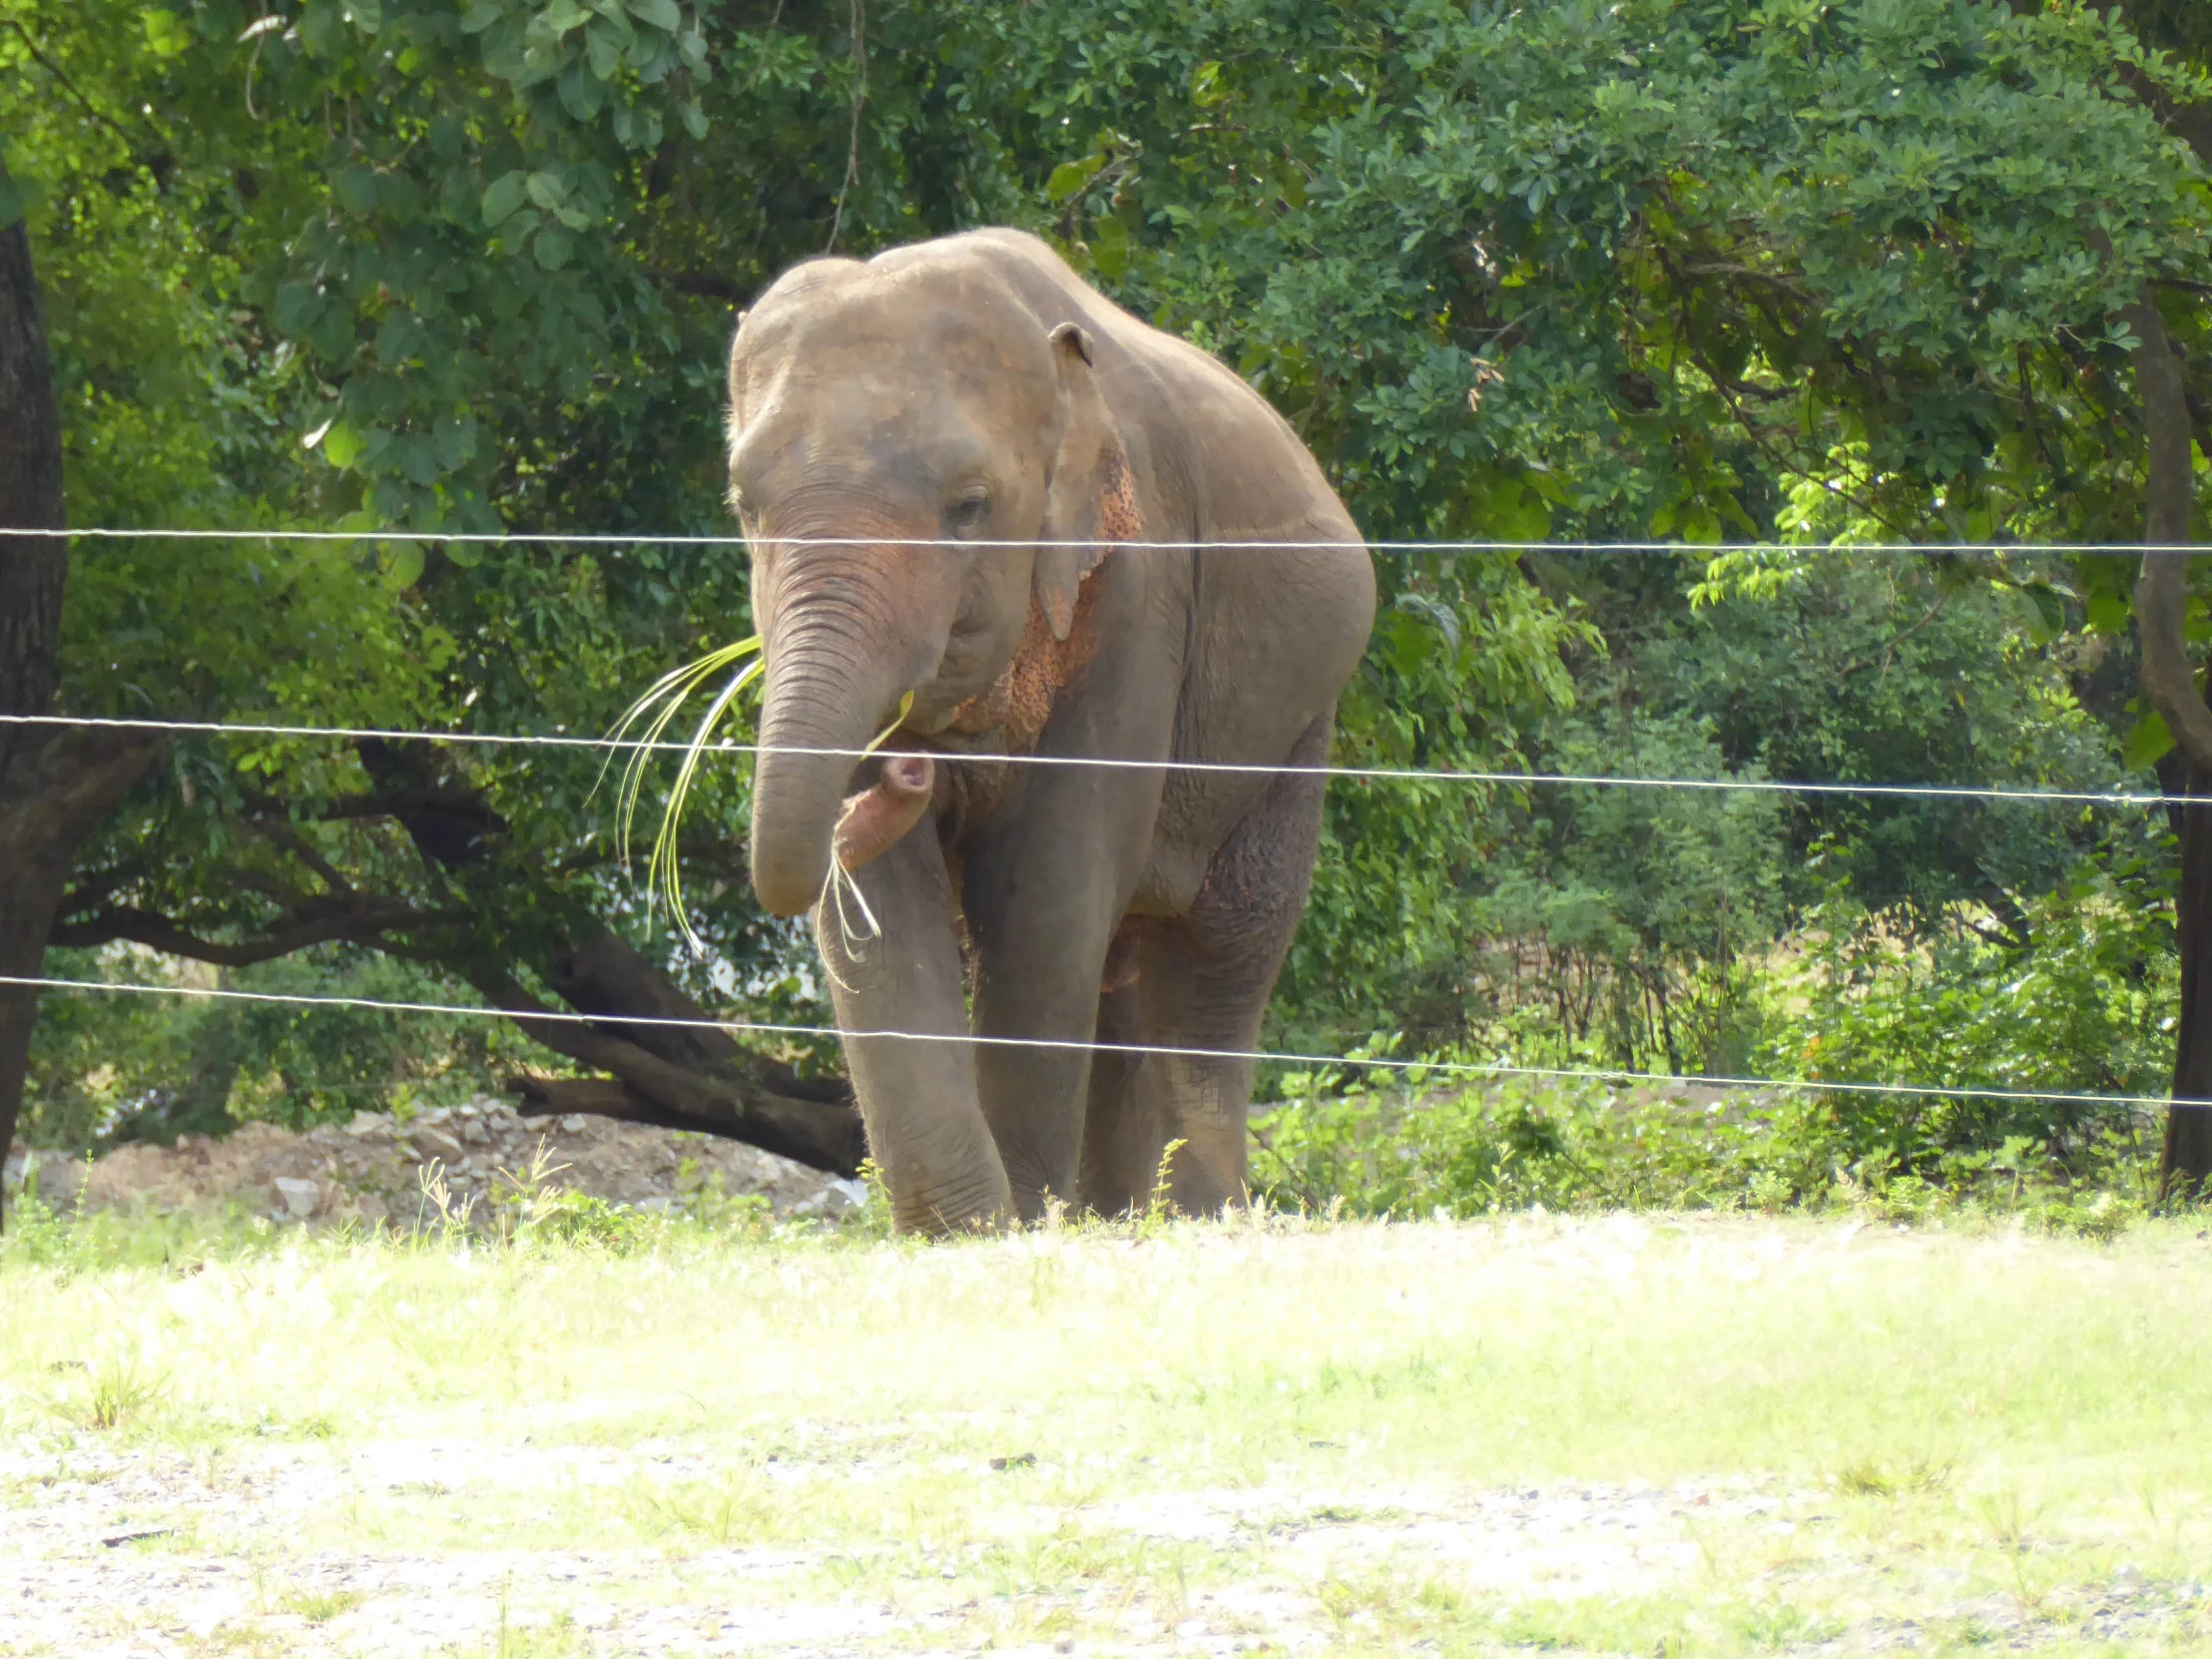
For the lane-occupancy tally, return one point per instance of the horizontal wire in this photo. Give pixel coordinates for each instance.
(1456, 1067)
(1768, 785)
(496, 538)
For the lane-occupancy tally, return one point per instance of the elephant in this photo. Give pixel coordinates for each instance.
(982, 505)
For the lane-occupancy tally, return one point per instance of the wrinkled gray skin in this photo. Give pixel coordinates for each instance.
(940, 392)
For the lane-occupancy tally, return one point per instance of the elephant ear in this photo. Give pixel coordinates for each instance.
(1090, 497)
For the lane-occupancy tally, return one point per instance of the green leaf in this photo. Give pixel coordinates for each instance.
(455, 441)
(2148, 741)
(583, 94)
(504, 196)
(564, 15)
(417, 461)
(295, 307)
(356, 189)
(341, 445)
(546, 188)
(1437, 614)
(13, 201)
(167, 34)
(662, 14)
(2051, 609)
(1070, 177)
(481, 15)
(319, 28)
(466, 554)
(368, 15)
(603, 49)
(2109, 613)
(401, 564)
(553, 247)
(1109, 244)
(695, 118)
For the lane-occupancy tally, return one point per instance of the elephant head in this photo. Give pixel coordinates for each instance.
(915, 398)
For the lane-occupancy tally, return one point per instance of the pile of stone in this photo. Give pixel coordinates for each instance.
(461, 1160)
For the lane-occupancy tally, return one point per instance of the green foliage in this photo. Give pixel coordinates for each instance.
(105, 1069)
(1640, 267)
(2084, 1008)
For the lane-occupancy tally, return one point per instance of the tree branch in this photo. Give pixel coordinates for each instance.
(166, 934)
(739, 1102)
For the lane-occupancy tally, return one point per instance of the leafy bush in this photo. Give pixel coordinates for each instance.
(2082, 1008)
(110, 1068)
(1512, 1144)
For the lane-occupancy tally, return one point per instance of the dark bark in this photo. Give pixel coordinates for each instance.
(55, 785)
(2170, 686)
(31, 568)
(752, 1099)
(51, 798)
(2186, 1158)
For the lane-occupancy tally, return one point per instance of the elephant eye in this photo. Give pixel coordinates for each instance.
(969, 511)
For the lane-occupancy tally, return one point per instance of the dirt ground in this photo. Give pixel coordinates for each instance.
(377, 1169)
(164, 1557)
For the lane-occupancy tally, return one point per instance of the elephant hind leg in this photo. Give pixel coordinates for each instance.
(1123, 1130)
(1205, 978)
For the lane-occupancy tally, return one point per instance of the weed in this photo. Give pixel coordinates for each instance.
(737, 1510)
(1870, 1477)
(320, 1606)
(117, 1390)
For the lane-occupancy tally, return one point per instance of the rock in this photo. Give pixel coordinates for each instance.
(370, 1171)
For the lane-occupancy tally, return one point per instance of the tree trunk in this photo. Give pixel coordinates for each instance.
(2186, 1160)
(2170, 686)
(55, 786)
(29, 617)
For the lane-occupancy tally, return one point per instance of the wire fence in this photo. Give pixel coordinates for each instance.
(1422, 775)
(1417, 1067)
(1405, 775)
(559, 538)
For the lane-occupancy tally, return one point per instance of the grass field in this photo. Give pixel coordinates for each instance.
(1637, 1436)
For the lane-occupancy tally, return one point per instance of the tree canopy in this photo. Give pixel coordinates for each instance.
(1755, 277)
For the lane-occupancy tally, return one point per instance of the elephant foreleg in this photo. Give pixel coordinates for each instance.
(901, 972)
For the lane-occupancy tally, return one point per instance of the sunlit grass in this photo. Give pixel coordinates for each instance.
(1695, 1434)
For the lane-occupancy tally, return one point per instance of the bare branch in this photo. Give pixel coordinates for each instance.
(363, 926)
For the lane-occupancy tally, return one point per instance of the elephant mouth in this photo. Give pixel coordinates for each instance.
(870, 822)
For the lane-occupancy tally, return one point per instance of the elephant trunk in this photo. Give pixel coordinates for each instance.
(872, 821)
(835, 673)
